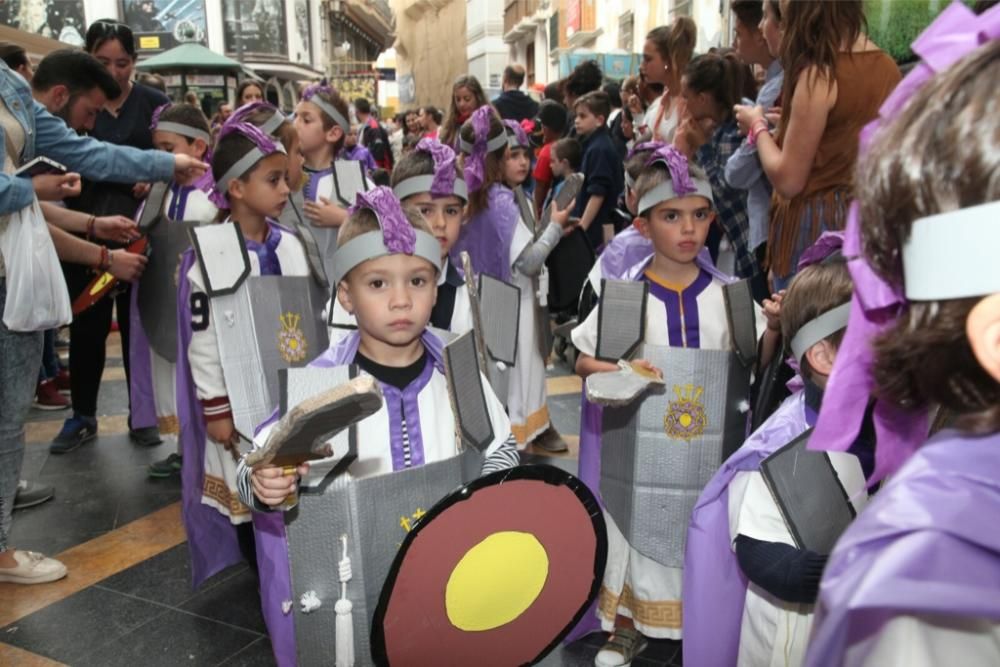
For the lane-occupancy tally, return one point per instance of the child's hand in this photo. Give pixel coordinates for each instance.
(55, 187)
(140, 190)
(223, 431)
(647, 366)
(272, 486)
(562, 216)
(772, 311)
(324, 213)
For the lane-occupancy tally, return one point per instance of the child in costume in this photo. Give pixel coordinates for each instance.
(502, 245)
(250, 171)
(428, 179)
(685, 307)
(749, 590)
(387, 266)
(321, 120)
(179, 129)
(915, 579)
(355, 151)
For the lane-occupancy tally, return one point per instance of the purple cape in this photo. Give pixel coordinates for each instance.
(488, 235)
(212, 538)
(926, 544)
(142, 397)
(269, 527)
(714, 586)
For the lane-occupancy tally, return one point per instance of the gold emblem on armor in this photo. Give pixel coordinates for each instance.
(292, 342)
(685, 418)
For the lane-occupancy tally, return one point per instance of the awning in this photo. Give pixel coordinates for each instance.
(190, 56)
(285, 71)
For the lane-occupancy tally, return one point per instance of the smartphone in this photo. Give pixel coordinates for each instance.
(41, 165)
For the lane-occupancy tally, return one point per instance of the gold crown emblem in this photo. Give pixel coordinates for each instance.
(685, 418)
(292, 343)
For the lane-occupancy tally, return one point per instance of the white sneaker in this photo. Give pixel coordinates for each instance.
(621, 648)
(32, 568)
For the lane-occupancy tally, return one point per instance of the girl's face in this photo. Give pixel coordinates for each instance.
(699, 105)
(465, 101)
(653, 67)
(771, 28)
(264, 191)
(443, 214)
(309, 126)
(178, 144)
(516, 167)
(251, 94)
(112, 55)
(412, 123)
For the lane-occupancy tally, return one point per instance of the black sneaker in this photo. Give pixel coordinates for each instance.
(75, 431)
(168, 467)
(30, 494)
(145, 437)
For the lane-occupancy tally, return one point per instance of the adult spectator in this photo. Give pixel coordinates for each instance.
(248, 92)
(554, 92)
(614, 93)
(29, 131)
(413, 126)
(512, 104)
(744, 170)
(836, 79)
(466, 96)
(585, 78)
(665, 55)
(17, 59)
(371, 134)
(397, 131)
(430, 122)
(113, 44)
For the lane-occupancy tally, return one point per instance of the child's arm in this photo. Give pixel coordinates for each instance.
(786, 572)
(587, 365)
(502, 453)
(594, 204)
(532, 258)
(110, 228)
(585, 341)
(770, 340)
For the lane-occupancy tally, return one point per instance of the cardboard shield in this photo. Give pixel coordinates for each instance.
(465, 389)
(375, 514)
(486, 579)
(657, 454)
(267, 324)
(168, 240)
(621, 318)
(292, 218)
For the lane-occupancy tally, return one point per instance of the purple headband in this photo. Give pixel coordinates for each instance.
(876, 305)
(475, 164)
(264, 145)
(396, 235)
(156, 115)
(519, 138)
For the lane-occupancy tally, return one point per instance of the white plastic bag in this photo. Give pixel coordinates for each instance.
(37, 297)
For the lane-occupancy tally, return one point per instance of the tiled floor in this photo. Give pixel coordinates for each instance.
(129, 600)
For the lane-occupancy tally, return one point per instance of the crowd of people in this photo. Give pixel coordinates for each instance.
(851, 207)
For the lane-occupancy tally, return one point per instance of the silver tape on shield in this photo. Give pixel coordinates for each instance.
(465, 389)
(375, 513)
(658, 453)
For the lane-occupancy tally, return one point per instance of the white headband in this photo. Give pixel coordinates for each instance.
(665, 192)
(243, 165)
(184, 130)
(949, 255)
(819, 328)
(371, 245)
(328, 109)
(491, 145)
(417, 184)
(272, 123)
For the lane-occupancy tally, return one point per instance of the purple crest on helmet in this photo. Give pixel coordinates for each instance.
(398, 234)
(265, 143)
(444, 166)
(644, 146)
(156, 115)
(828, 244)
(475, 163)
(321, 87)
(513, 127)
(677, 165)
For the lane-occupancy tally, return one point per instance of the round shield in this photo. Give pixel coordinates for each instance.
(497, 573)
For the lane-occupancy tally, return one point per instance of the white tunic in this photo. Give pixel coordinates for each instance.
(526, 396)
(636, 586)
(775, 633)
(220, 489)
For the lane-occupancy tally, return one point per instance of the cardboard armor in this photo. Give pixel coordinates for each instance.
(659, 451)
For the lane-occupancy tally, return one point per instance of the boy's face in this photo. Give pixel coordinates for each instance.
(391, 297)
(265, 189)
(443, 214)
(678, 227)
(560, 168)
(516, 167)
(585, 121)
(351, 138)
(309, 126)
(177, 144)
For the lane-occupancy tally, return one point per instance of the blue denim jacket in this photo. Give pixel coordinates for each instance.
(44, 134)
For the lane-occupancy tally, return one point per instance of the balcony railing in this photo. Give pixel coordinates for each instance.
(516, 11)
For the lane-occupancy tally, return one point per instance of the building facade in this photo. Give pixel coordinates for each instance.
(282, 41)
(430, 50)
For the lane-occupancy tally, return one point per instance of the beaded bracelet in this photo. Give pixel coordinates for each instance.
(90, 227)
(758, 126)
